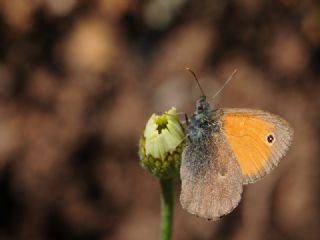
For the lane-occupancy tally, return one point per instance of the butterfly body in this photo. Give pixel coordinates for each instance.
(225, 149)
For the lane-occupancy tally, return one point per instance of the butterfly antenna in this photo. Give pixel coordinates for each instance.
(225, 83)
(195, 77)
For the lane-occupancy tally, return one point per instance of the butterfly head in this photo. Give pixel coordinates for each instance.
(202, 106)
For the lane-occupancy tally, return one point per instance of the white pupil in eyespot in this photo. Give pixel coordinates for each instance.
(270, 138)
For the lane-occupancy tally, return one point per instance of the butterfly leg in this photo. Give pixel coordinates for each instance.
(187, 119)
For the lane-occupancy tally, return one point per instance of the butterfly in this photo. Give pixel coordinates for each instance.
(225, 149)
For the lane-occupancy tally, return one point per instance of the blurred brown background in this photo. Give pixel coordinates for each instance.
(79, 79)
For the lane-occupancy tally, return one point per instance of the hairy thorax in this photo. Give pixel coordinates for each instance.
(202, 129)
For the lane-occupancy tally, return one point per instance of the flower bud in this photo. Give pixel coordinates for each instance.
(161, 145)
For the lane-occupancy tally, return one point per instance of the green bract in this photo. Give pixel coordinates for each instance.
(161, 145)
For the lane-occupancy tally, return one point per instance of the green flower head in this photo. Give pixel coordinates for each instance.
(161, 145)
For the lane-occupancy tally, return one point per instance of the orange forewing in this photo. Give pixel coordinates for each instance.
(247, 132)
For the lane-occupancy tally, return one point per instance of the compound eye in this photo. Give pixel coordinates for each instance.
(199, 108)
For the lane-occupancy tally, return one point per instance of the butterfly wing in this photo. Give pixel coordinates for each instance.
(258, 139)
(211, 178)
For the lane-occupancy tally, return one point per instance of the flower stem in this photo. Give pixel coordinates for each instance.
(166, 208)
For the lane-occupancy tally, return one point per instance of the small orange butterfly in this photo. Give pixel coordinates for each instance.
(225, 149)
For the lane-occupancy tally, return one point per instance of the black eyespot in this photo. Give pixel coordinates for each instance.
(270, 138)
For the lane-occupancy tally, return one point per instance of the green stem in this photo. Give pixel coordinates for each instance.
(166, 208)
